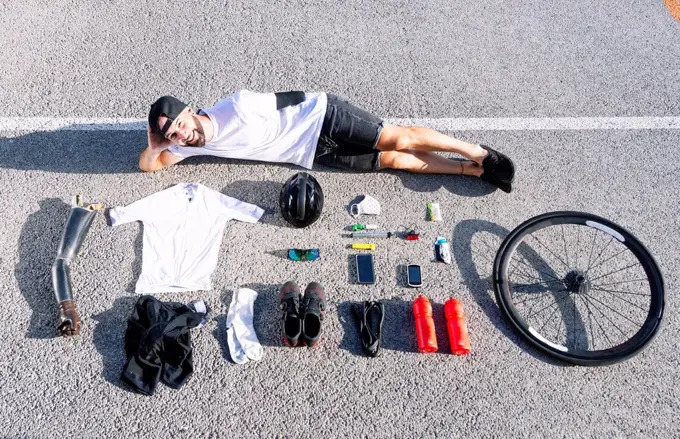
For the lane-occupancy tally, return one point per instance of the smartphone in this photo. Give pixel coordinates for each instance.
(414, 276)
(365, 271)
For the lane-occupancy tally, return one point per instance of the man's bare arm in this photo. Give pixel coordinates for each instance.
(152, 159)
(156, 156)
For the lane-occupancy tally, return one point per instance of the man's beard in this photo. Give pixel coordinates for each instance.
(198, 134)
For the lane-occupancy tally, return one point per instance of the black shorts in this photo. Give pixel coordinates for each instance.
(349, 137)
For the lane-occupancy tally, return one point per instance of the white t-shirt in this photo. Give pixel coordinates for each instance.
(248, 126)
(183, 228)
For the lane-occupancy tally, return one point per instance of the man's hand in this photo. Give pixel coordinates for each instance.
(155, 156)
(157, 141)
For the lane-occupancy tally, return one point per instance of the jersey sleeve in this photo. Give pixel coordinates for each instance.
(231, 208)
(143, 210)
(127, 214)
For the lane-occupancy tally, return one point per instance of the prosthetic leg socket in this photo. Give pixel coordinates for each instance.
(78, 223)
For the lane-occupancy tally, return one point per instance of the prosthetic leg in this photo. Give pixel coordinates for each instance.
(77, 225)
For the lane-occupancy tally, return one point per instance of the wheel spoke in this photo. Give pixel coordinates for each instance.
(524, 273)
(550, 315)
(564, 242)
(612, 309)
(531, 285)
(620, 292)
(591, 324)
(573, 321)
(535, 296)
(601, 251)
(527, 277)
(534, 268)
(622, 299)
(606, 317)
(609, 258)
(531, 307)
(534, 313)
(512, 271)
(614, 272)
(551, 252)
(592, 247)
(578, 236)
(590, 320)
(622, 282)
(558, 326)
(540, 310)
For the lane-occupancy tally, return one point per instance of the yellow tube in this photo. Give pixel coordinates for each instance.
(364, 247)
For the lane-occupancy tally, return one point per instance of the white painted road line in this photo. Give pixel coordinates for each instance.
(32, 124)
(545, 123)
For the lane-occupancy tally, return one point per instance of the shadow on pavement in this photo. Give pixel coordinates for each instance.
(264, 194)
(109, 338)
(457, 184)
(398, 332)
(75, 152)
(137, 263)
(480, 284)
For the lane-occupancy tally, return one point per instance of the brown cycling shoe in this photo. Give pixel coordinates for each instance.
(314, 303)
(289, 303)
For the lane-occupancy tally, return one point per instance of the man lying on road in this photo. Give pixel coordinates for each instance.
(306, 128)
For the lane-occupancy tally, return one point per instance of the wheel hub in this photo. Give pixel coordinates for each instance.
(577, 281)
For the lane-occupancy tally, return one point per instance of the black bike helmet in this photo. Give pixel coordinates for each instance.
(301, 200)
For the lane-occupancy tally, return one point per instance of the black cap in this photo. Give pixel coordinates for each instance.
(169, 106)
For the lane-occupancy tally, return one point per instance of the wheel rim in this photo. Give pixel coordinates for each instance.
(580, 287)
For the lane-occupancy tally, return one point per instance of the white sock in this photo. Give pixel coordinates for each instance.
(241, 337)
(238, 355)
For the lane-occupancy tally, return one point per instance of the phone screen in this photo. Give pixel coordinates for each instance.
(365, 273)
(414, 276)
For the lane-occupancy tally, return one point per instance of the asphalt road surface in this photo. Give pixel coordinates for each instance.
(430, 60)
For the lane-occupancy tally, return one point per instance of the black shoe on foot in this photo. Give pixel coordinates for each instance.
(289, 302)
(499, 170)
(314, 304)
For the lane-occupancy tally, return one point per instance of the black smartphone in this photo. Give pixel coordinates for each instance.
(414, 276)
(365, 271)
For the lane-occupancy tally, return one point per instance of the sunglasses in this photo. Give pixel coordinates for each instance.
(296, 254)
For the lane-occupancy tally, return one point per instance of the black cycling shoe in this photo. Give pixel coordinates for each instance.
(370, 317)
(314, 303)
(289, 302)
(499, 170)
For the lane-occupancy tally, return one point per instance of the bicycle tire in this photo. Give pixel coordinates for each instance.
(614, 354)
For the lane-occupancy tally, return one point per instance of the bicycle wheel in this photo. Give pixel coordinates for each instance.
(579, 287)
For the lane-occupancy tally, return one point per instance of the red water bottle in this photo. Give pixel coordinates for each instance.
(427, 338)
(455, 324)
